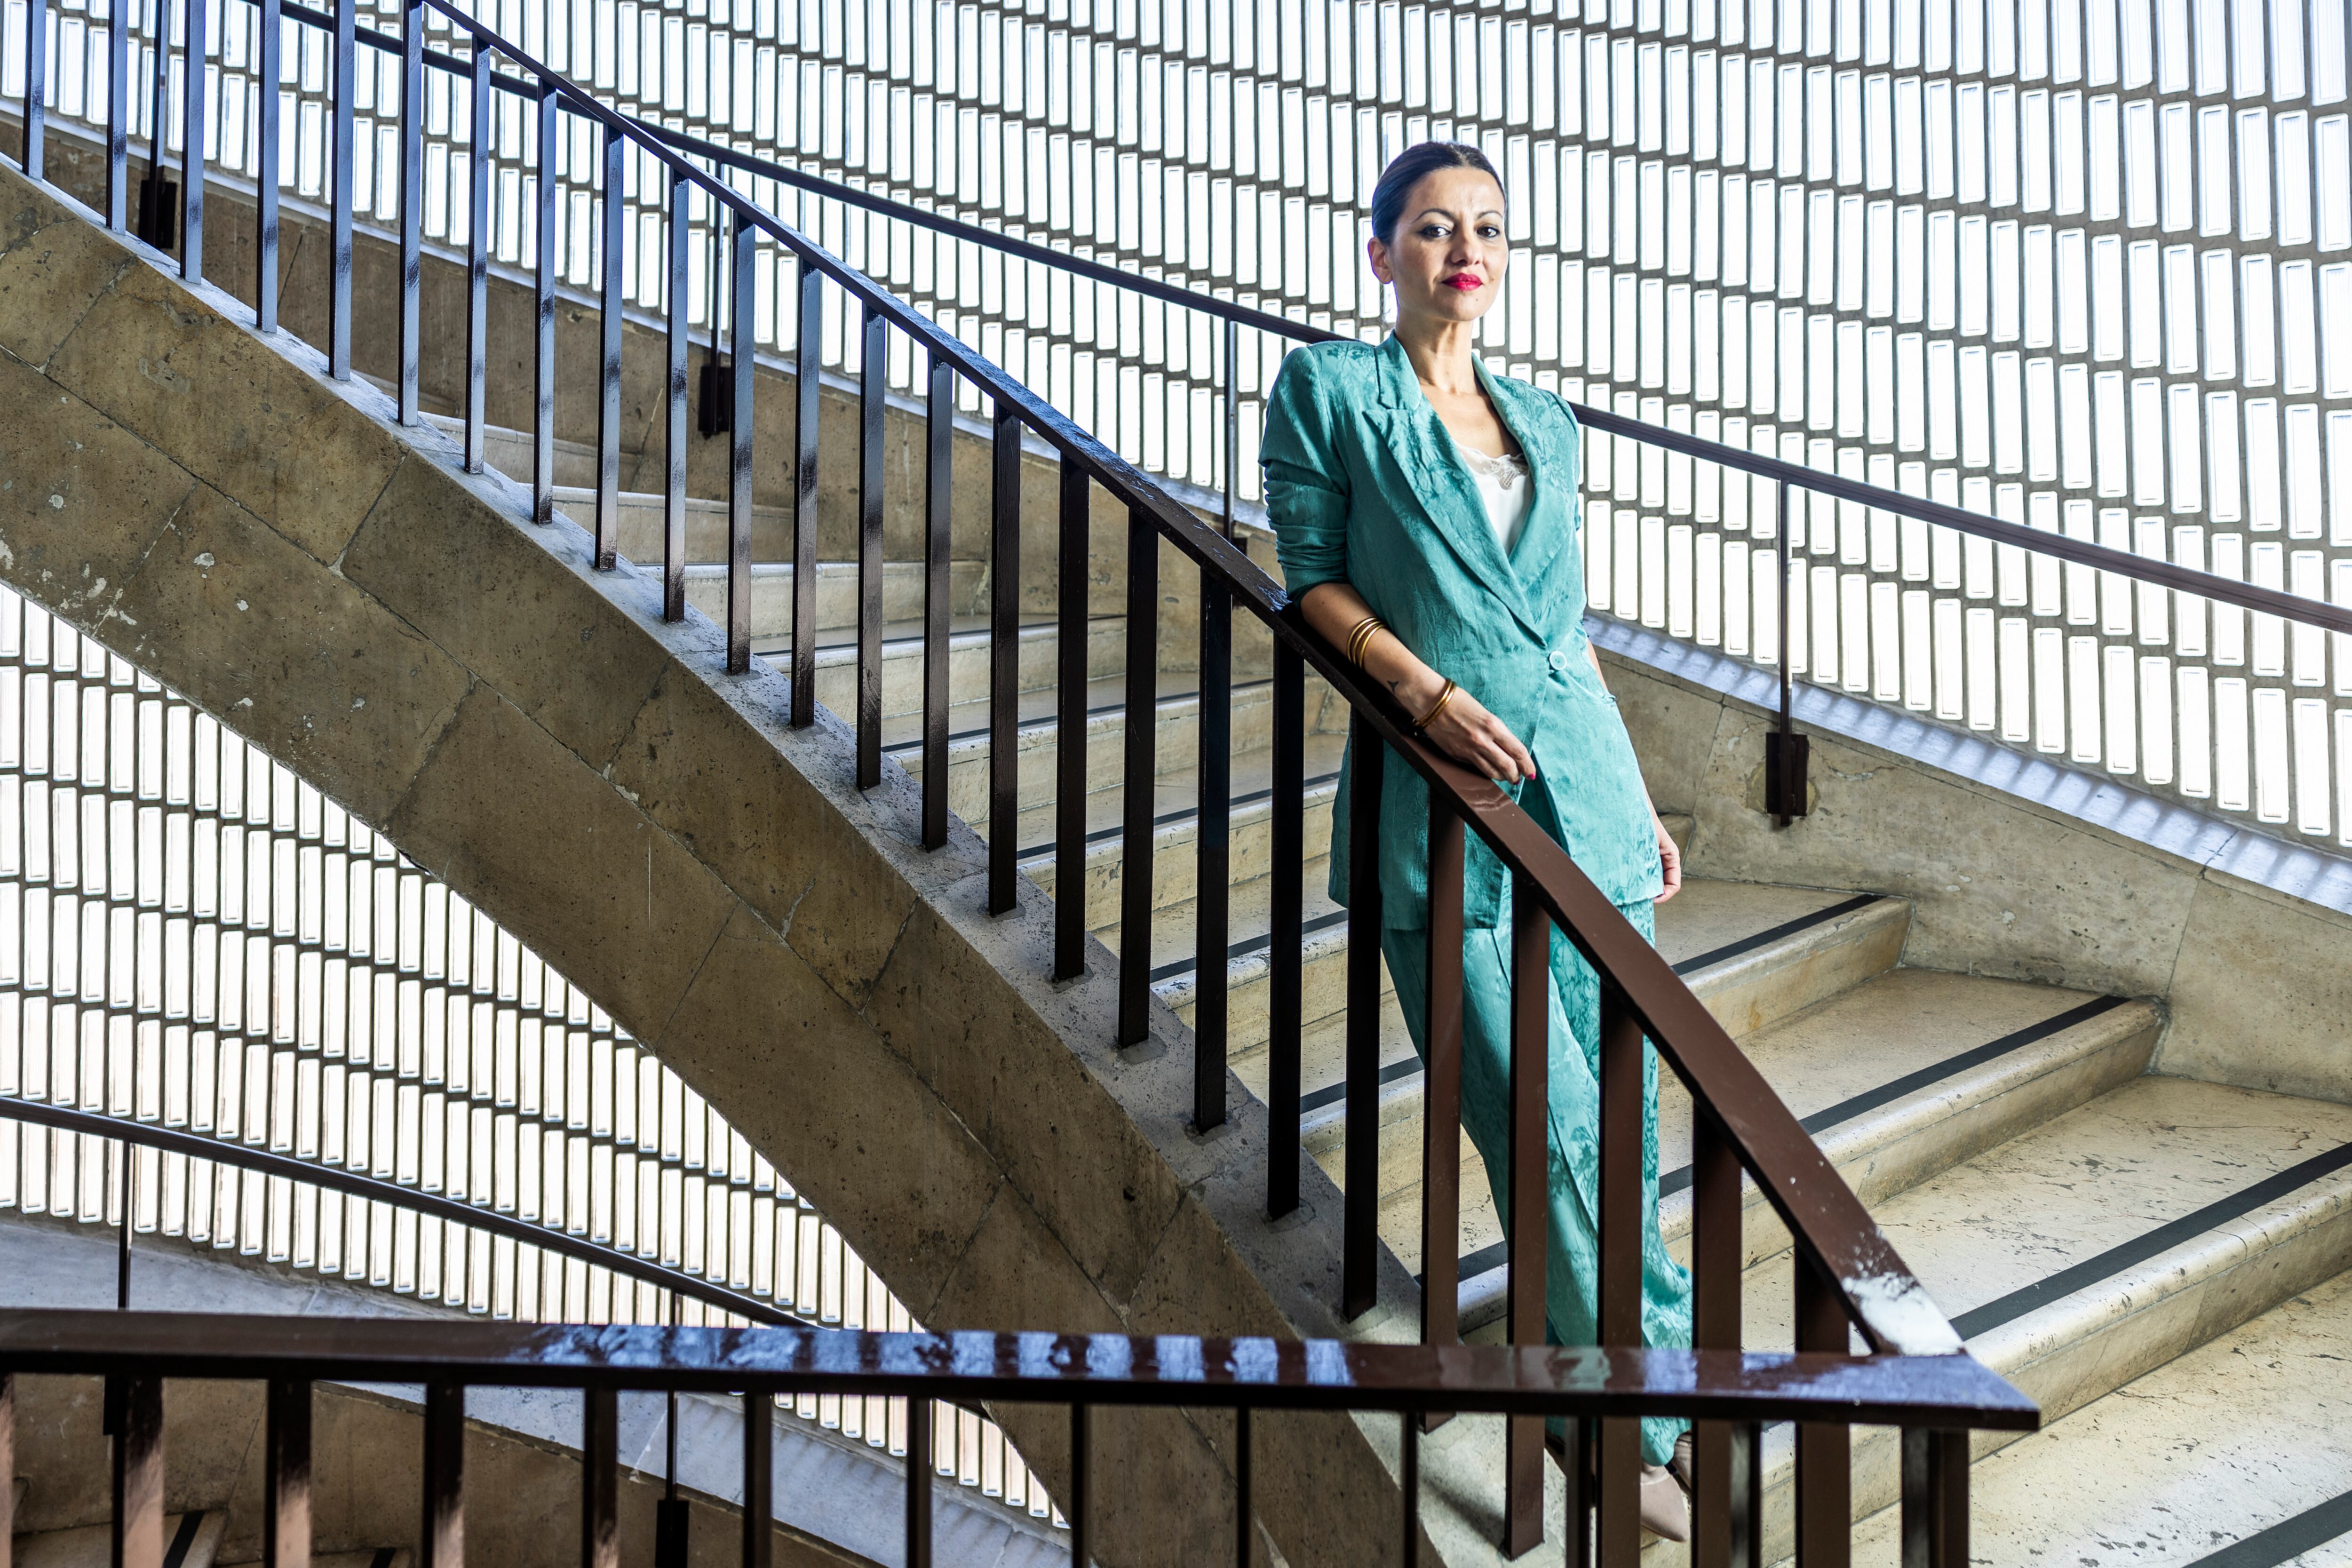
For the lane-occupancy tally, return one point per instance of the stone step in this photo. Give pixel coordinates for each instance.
(836, 597)
(190, 1540)
(2242, 1446)
(969, 645)
(2099, 1246)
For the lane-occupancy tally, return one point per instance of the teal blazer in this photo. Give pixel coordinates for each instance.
(1364, 485)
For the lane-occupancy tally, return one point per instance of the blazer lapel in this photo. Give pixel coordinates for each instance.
(1548, 442)
(1440, 486)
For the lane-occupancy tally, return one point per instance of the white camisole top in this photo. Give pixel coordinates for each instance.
(1507, 490)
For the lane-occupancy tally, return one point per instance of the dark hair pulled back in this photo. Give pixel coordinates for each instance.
(1408, 169)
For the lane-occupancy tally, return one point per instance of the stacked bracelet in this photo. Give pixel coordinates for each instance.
(1437, 706)
(1360, 637)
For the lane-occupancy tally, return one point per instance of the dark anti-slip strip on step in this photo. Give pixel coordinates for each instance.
(1333, 1093)
(2286, 1539)
(1169, 818)
(2140, 1249)
(1241, 950)
(1785, 929)
(1870, 1099)
(184, 1539)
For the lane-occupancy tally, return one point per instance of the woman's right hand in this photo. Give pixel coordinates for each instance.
(1476, 737)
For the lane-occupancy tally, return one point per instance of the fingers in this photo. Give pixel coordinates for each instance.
(1670, 865)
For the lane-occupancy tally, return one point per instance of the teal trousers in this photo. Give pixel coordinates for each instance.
(1572, 1254)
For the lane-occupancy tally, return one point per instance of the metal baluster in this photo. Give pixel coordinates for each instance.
(918, 1481)
(600, 1478)
(412, 206)
(154, 210)
(8, 1458)
(1409, 1477)
(138, 1535)
(670, 1514)
(1441, 1122)
(809, 342)
(1245, 1505)
(1824, 1452)
(1004, 662)
(1360, 1219)
(1529, 1160)
(338, 329)
(285, 1479)
(477, 265)
(738, 452)
(1070, 731)
(192, 99)
(1138, 766)
(36, 95)
(442, 1540)
(270, 69)
(674, 442)
(1934, 1499)
(1286, 957)
(608, 357)
(118, 111)
(1726, 1512)
(542, 430)
(1233, 421)
(1619, 1289)
(1213, 858)
(1081, 1534)
(1784, 750)
(873, 381)
(939, 540)
(758, 1478)
(121, 1153)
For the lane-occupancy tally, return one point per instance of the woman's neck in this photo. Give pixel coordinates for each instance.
(1441, 353)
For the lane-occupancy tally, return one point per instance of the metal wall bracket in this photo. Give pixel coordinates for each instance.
(1785, 757)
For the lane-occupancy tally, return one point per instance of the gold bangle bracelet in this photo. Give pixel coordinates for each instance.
(1360, 637)
(1436, 708)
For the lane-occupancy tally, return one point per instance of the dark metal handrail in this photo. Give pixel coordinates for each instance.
(434, 1206)
(1847, 1276)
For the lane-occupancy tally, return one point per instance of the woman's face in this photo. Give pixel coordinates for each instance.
(1447, 256)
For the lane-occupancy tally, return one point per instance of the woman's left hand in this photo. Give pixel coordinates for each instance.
(1670, 859)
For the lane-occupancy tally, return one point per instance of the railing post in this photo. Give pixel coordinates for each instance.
(1441, 1122)
(441, 1540)
(600, 1478)
(285, 1479)
(1824, 1451)
(1529, 1188)
(478, 261)
(1138, 767)
(1934, 1499)
(118, 113)
(918, 1481)
(740, 347)
(1004, 661)
(138, 1472)
(808, 342)
(1244, 1502)
(36, 86)
(1620, 1285)
(268, 68)
(1080, 1511)
(339, 259)
(1784, 748)
(612, 268)
(1726, 1522)
(1286, 958)
(1360, 1219)
(412, 204)
(674, 410)
(543, 451)
(1213, 858)
(192, 97)
(154, 220)
(760, 1478)
(939, 542)
(1071, 588)
(873, 381)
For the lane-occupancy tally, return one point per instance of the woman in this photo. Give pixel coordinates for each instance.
(1425, 511)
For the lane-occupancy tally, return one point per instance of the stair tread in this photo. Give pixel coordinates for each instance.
(1708, 916)
(2070, 1191)
(2241, 1434)
(196, 1533)
(1176, 802)
(1891, 1027)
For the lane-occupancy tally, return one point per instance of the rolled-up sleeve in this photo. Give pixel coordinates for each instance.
(1306, 485)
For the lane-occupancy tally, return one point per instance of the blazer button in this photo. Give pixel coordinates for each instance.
(1558, 660)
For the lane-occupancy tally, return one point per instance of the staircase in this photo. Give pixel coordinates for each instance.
(2085, 1223)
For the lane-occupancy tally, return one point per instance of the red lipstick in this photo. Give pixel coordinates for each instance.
(1465, 282)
